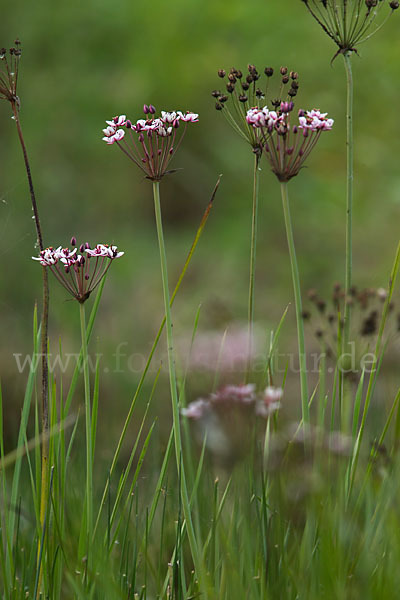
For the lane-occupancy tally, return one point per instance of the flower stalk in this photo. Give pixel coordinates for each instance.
(8, 91)
(298, 304)
(254, 220)
(349, 197)
(88, 427)
(173, 382)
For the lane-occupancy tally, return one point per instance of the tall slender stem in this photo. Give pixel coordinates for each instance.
(88, 420)
(44, 336)
(298, 304)
(250, 312)
(174, 389)
(349, 197)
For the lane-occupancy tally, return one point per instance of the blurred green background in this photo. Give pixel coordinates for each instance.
(84, 62)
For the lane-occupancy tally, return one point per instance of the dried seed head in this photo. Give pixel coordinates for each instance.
(243, 98)
(348, 28)
(215, 93)
(221, 73)
(269, 71)
(283, 70)
(218, 106)
(285, 79)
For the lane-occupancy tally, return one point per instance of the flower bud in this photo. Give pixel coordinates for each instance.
(145, 109)
(152, 110)
(73, 241)
(269, 71)
(283, 70)
(221, 73)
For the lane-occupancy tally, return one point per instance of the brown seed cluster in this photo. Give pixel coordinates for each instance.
(326, 316)
(245, 90)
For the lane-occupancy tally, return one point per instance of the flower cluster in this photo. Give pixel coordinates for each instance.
(79, 272)
(236, 397)
(287, 145)
(151, 142)
(9, 63)
(349, 22)
(246, 91)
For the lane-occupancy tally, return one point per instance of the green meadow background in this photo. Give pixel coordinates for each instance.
(84, 62)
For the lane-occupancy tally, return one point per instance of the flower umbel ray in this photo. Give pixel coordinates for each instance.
(151, 142)
(288, 145)
(79, 272)
(350, 22)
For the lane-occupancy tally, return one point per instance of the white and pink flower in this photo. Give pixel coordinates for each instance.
(314, 120)
(188, 116)
(117, 122)
(104, 250)
(113, 136)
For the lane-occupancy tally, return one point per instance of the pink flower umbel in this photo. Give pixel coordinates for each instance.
(287, 145)
(150, 142)
(80, 273)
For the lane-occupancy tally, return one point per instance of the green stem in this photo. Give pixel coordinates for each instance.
(44, 336)
(89, 457)
(174, 389)
(349, 196)
(298, 305)
(253, 246)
